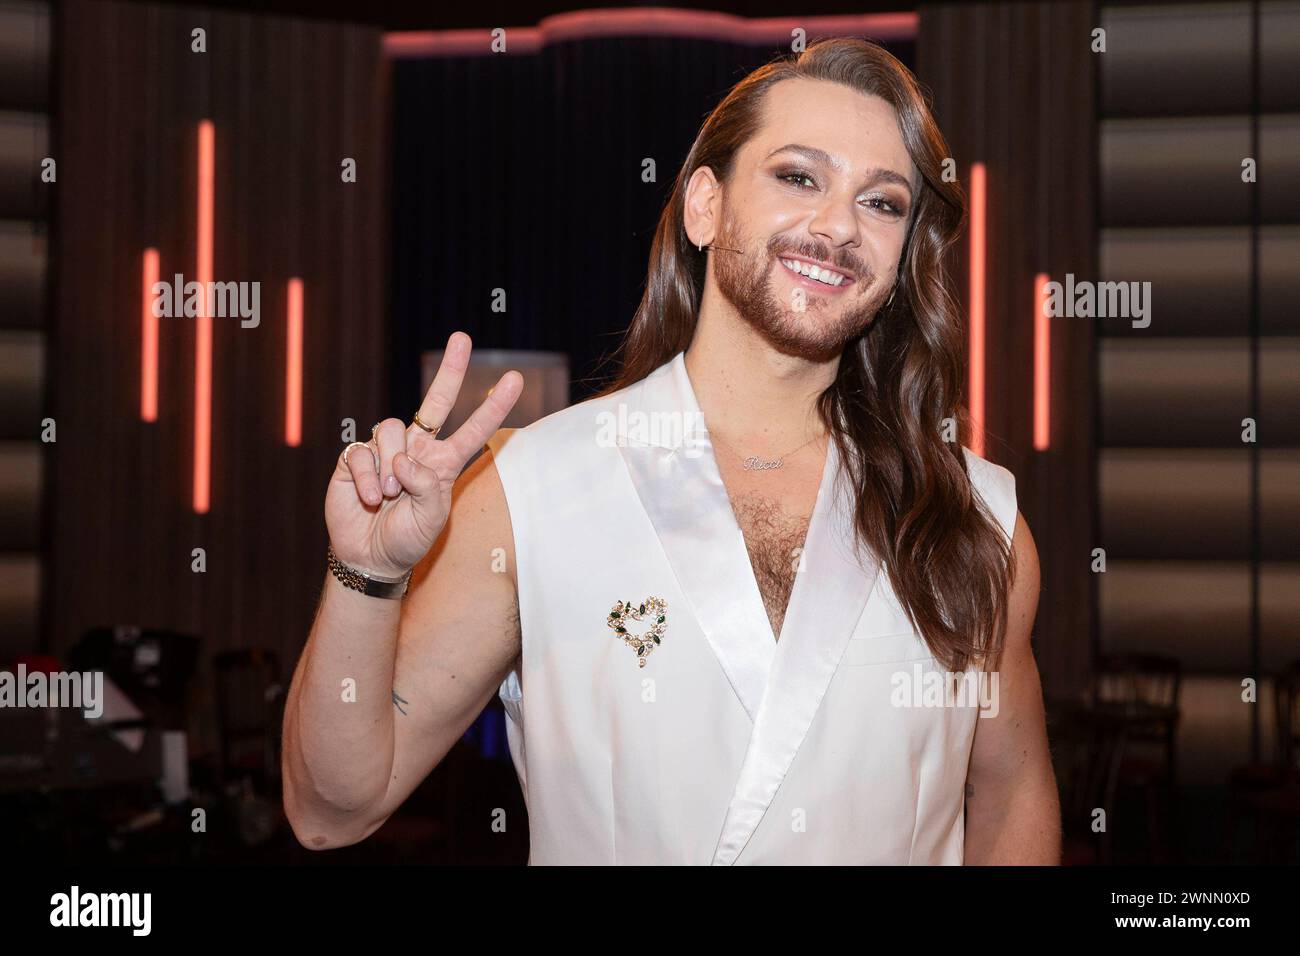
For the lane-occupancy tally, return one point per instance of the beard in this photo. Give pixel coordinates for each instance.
(824, 326)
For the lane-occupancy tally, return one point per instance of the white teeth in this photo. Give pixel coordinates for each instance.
(814, 272)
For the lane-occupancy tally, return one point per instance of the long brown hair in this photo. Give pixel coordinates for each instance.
(945, 555)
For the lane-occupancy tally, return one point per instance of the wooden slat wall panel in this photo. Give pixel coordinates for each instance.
(1014, 87)
(22, 364)
(20, 584)
(24, 142)
(1200, 276)
(1199, 612)
(289, 100)
(22, 276)
(1194, 59)
(1177, 485)
(1151, 167)
(1151, 492)
(24, 55)
(1189, 392)
(20, 498)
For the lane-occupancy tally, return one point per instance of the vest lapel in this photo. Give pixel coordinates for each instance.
(829, 597)
(676, 476)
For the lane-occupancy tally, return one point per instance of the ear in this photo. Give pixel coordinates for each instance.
(703, 198)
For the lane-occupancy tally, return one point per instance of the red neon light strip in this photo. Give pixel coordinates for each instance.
(977, 277)
(203, 336)
(1042, 366)
(647, 21)
(148, 339)
(293, 368)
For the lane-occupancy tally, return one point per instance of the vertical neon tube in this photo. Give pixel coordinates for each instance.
(1042, 366)
(293, 368)
(977, 289)
(203, 330)
(148, 339)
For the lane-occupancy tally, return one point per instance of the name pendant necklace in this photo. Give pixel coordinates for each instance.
(755, 463)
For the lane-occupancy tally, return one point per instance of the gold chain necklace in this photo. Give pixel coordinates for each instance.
(755, 463)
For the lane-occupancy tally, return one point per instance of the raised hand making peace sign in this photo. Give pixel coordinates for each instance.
(388, 498)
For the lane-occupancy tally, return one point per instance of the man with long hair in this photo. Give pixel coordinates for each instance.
(755, 603)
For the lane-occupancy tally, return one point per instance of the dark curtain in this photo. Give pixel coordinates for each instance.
(289, 99)
(1013, 88)
(524, 173)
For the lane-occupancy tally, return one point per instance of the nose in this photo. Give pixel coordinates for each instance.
(836, 222)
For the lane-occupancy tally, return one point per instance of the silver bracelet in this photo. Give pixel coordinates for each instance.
(351, 577)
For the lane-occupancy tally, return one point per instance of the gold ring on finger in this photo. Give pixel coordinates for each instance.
(365, 444)
(433, 432)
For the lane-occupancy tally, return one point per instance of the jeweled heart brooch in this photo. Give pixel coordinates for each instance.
(623, 613)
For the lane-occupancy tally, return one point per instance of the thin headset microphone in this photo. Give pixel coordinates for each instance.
(721, 248)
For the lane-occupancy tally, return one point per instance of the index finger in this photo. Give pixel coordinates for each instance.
(442, 393)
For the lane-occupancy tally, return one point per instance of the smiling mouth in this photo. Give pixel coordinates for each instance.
(822, 274)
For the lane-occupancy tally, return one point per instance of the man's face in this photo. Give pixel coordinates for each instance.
(826, 183)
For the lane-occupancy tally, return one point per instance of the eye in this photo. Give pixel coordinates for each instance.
(885, 206)
(792, 176)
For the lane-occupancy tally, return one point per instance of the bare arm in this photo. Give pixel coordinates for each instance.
(1013, 813)
(384, 687)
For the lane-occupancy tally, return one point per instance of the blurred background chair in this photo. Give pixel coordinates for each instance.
(1142, 691)
(1087, 749)
(1269, 792)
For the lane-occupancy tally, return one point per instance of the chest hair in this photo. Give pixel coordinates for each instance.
(774, 539)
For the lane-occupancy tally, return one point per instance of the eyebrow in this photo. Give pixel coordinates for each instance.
(826, 159)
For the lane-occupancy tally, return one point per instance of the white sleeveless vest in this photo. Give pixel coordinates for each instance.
(719, 744)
